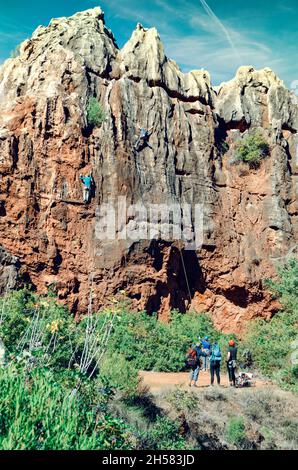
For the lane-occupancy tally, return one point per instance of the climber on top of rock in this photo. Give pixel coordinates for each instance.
(87, 188)
(143, 139)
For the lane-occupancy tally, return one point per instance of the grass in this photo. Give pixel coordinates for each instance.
(38, 412)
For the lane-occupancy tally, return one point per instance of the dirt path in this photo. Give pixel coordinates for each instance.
(162, 381)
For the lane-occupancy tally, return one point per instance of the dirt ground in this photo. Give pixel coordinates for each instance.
(162, 381)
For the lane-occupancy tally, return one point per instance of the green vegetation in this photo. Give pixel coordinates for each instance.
(58, 391)
(120, 374)
(38, 324)
(164, 435)
(38, 412)
(236, 430)
(137, 341)
(95, 113)
(153, 345)
(274, 343)
(251, 149)
(62, 375)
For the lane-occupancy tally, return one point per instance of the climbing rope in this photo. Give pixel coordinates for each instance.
(185, 273)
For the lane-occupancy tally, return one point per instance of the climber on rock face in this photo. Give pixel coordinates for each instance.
(87, 182)
(143, 139)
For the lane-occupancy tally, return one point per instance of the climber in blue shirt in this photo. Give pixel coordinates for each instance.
(143, 139)
(87, 182)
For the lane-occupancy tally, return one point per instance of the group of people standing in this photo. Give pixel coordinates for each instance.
(205, 355)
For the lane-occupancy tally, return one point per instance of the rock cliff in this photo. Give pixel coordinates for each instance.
(49, 237)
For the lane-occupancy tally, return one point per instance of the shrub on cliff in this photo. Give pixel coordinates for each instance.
(95, 113)
(274, 343)
(251, 149)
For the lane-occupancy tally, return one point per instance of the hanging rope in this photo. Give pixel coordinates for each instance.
(185, 273)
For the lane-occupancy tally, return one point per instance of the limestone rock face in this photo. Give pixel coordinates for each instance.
(249, 216)
(256, 98)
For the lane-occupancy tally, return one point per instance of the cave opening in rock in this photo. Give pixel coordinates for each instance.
(190, 277)
(184, 278)
(241, 125)
(238, 296)
(155, 250)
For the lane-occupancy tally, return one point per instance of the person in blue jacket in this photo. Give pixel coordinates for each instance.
(206, 348)
(87, 187)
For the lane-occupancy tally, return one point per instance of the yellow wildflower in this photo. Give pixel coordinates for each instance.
(54, 326)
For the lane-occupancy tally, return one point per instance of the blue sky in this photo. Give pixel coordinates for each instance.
(262, 33)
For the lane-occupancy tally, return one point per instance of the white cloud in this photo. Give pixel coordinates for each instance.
(215, 56)
(7, 36)
(193, 40)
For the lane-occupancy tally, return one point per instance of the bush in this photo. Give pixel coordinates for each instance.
(251, 149)
(37, 412)
(236, 430)
(164, 435)
(153, 345)
(95, 113)
(137, 340)
(120, 374)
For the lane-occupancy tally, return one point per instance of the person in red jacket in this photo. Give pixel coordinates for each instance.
(231, 362)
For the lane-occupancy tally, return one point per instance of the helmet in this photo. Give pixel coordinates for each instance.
(206, 338)
(231, 342)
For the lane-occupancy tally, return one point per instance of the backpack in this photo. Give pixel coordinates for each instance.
(216, 353)
(192, 358)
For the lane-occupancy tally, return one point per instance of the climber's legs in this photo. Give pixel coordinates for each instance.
(142, 143)
(138, 142)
